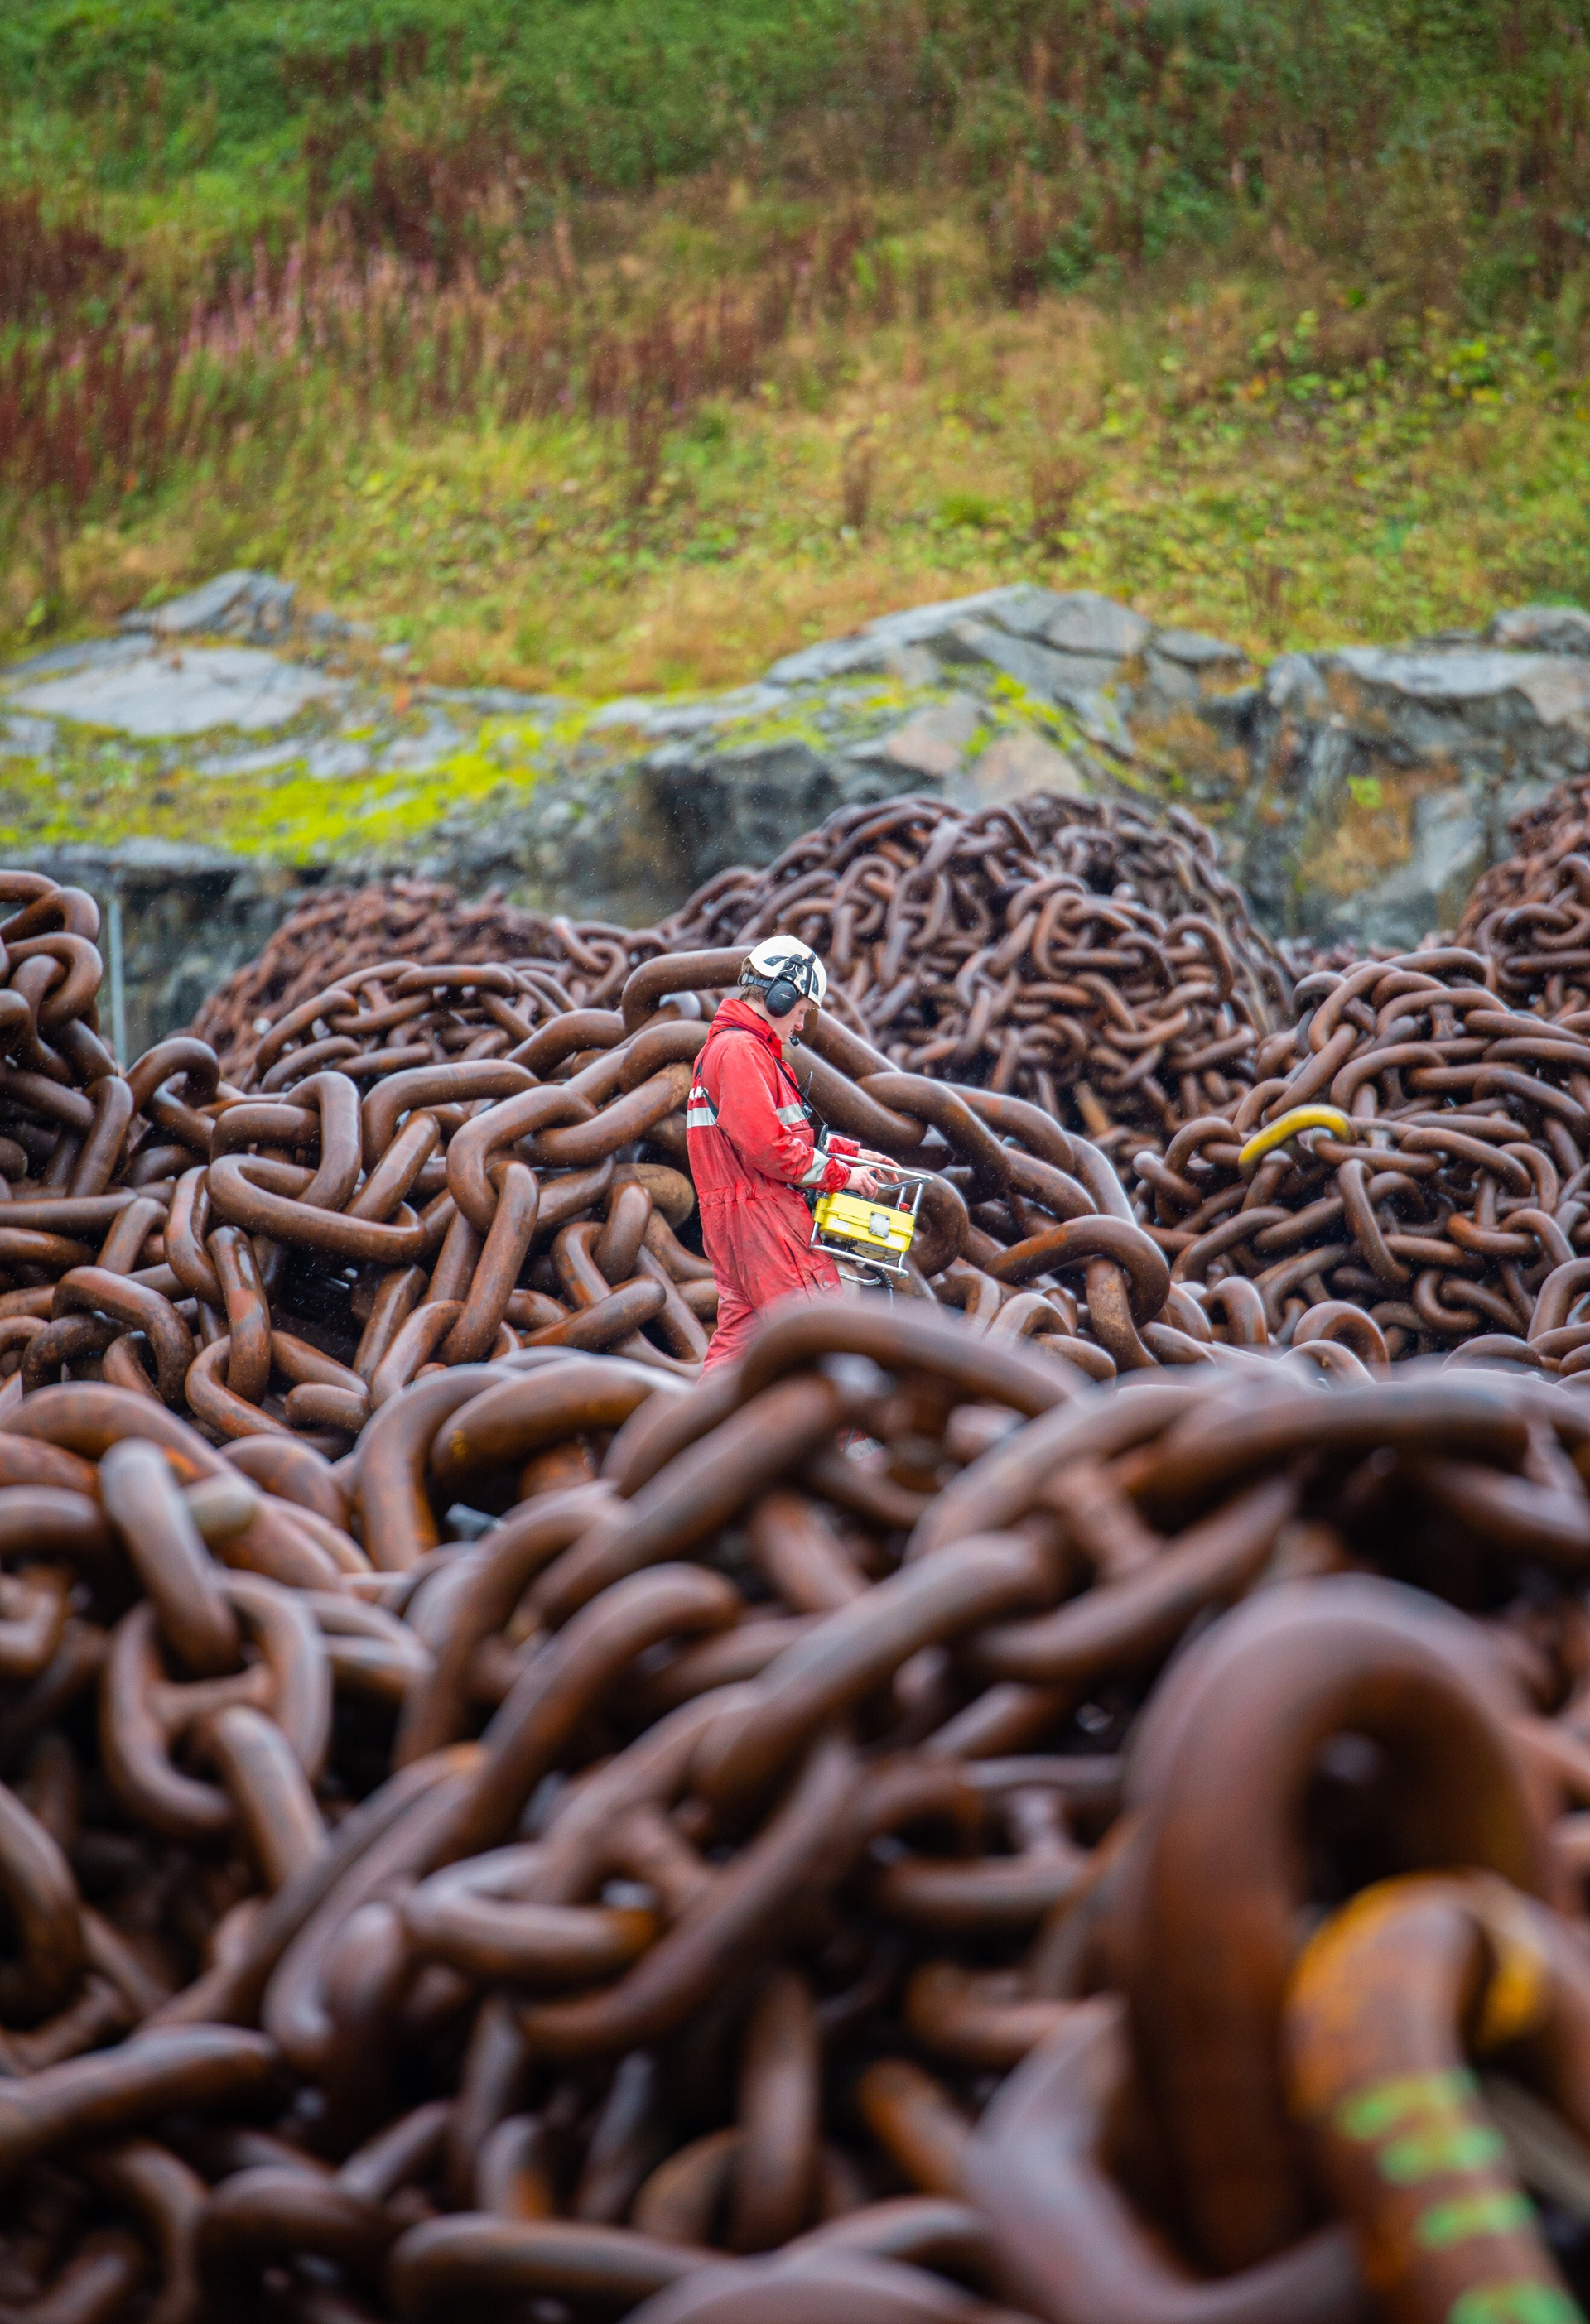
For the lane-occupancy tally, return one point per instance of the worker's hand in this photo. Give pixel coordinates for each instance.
(862, 1180)
(880, 1161)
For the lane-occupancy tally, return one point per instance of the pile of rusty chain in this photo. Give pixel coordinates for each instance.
(1543, 837)
(277, 1262)
(71, 1212)
(763, 1881)
(1412, 1172)
(485, 1815)
(1530, 916)
(1075, 954)
(1304, 958)
(56, 1077)
(564, 1157)
(364, 938)
(280, 1259)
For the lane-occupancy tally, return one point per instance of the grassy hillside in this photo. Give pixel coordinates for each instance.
(614, 92)
(597, 344)
(1174, 104)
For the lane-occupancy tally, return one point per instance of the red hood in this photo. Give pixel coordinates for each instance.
(737, 1016)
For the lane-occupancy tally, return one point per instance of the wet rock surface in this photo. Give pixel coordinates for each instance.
(138, 690)
(1358, 792)
(1374, 786)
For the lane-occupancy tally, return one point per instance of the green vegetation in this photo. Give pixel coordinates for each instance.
(99, 786)
(377, 769)
(138, 94)
(1147, 121)
(517, 556)
(599, 345)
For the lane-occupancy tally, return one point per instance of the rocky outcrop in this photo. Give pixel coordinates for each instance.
(1378, 783)
(982, 700)
(256, 606)
(1358, 792)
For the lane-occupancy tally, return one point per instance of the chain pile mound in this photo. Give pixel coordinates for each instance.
(1412, 1172)
(277, 1261)
(1543, 836)
(1531, 915)
(1078, 955)
(752, 1881)
(560, 964)
(487, 1816)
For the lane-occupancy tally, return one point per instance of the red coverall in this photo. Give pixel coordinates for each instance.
(750, 1147)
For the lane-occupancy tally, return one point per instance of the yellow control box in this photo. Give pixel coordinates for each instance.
(865, 1226)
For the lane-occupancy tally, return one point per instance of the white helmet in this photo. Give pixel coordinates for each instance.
(787, 971)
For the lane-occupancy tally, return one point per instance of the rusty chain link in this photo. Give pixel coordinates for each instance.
(901, 1827)
(640, 1900)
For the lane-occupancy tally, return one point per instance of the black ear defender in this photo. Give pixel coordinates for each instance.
(793, 983)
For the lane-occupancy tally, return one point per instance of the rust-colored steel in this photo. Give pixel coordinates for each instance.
(1078, 956)
(670, 1962)
(1391, 2000)
(915, 1821)
(1415, 1150)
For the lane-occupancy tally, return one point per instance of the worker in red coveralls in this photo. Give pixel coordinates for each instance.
(752, 1150)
